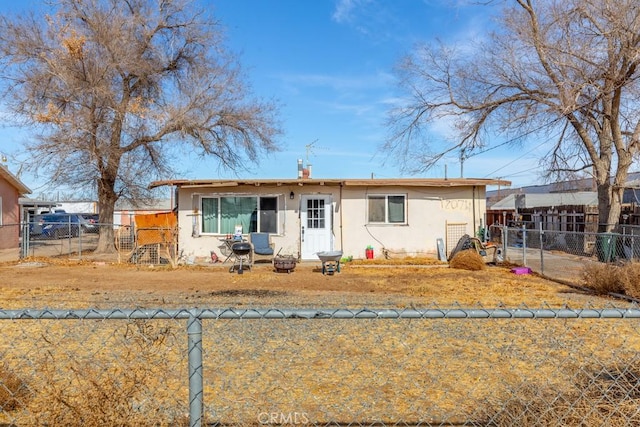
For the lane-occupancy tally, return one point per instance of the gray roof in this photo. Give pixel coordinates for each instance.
(576, 185)
(580, 198)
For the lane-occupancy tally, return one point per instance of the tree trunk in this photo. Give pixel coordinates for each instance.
(608, 208)
(610, 197)
(107, 198)
(615, 208)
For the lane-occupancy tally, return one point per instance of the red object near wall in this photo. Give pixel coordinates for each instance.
(369, 253)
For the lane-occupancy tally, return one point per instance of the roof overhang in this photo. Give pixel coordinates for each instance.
(14, 181)
(374, 182)
(35, 203)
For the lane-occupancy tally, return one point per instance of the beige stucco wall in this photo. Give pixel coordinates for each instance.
(429, 209)
(287, 241)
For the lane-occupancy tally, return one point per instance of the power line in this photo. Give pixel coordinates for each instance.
(516, 159)
(515, 138)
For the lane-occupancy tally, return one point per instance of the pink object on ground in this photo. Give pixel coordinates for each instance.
(521, 270)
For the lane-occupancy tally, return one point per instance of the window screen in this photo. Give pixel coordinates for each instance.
(387, 209)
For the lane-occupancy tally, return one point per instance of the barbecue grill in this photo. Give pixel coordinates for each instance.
(241, 252)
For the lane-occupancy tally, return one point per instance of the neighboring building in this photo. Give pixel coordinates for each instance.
(125, 211)
(571, 186)
(568, 205)
(556, 211)
(78, 206)
(304, 216)
(11, 188)
(30, 207)
(38, 207)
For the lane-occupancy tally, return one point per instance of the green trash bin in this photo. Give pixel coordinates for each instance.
(606, 246)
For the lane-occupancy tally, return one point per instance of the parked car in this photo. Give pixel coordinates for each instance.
(35, 225)
(89, 223)
(59, 225)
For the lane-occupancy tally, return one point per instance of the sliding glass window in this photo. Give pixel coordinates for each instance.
(220, 215)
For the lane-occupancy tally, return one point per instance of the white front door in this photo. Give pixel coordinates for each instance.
(315, 226)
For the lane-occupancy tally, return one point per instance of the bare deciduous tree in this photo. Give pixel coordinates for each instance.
(564, 70)
(116, 88)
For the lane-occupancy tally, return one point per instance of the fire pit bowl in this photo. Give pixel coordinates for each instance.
(330, 261)
(283, 263)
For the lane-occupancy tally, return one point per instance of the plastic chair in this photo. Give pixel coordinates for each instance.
(263, 249)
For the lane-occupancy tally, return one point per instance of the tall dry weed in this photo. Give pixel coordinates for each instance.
(606, 278)
(467, 260)
(631, 279)
(84, 391)
(14, 392)
(603, 396)
(603, 278)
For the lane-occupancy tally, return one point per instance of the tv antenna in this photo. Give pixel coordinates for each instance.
(310, 148)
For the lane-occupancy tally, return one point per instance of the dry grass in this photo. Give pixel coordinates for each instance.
(345, 364)
(604, 396)
(398, 261)
(631, 279)
(606, 278)
(77, 389)
(335, 371)
(467, 260)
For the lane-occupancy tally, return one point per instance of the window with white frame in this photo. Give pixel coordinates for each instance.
(387, 209)
(221, 214)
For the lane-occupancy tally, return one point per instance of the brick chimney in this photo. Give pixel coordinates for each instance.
(304, 173)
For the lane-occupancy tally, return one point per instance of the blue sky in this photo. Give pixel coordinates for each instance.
(329, 64)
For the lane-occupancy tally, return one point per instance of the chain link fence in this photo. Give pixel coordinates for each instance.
(61, 239)
(141, 245)
(557, 254)
(330, 367)
(563, 253)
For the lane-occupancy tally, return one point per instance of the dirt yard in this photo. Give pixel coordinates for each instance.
(46, 283)
(388, 371)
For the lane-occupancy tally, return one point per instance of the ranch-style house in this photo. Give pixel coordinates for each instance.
(304, 216)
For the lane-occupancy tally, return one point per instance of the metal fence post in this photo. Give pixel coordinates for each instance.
(194, 333)
(541, 249)
(24, 250)
(524, 246)
(505, 237)
(69, 235)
